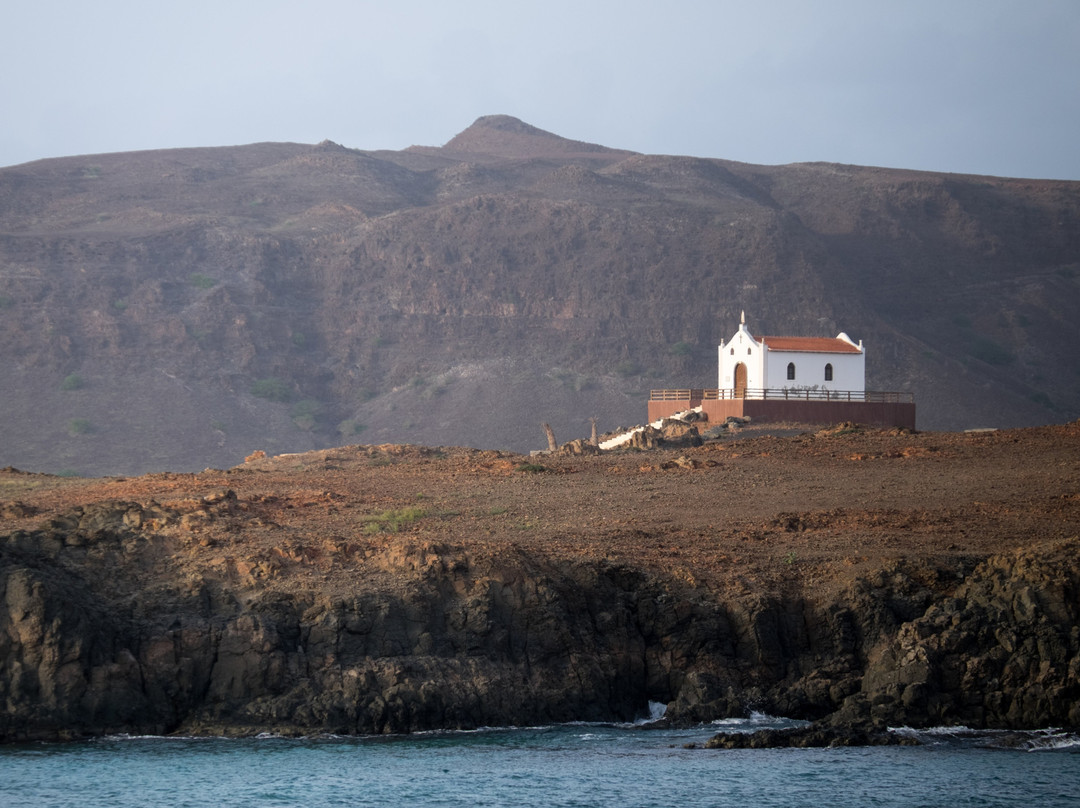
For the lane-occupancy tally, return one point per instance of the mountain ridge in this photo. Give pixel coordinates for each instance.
(462, 294)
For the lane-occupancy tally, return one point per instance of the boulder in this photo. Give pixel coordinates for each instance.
(677, 434)
(581, 446)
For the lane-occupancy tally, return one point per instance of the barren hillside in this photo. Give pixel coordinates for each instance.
(179, 309)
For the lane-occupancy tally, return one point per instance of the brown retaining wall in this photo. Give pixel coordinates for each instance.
(871, 413)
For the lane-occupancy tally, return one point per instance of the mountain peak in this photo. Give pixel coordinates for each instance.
(507, 136)
(508, 123)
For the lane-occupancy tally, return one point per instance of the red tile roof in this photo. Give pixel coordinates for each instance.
(814, 344)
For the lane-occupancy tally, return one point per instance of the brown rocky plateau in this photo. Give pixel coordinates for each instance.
(860, 578)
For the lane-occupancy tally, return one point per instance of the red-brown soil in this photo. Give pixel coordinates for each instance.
(762, 512)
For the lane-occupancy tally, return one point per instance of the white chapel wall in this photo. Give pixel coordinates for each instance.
(742, 348)
(847, 371)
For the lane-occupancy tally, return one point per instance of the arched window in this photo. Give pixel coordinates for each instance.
(748, 351)
(791, 371)
(828, 372)
(732, 351)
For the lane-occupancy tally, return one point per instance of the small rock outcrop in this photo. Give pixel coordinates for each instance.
(579, 446)
(809, 737)
(673, 433)
(1003, 650)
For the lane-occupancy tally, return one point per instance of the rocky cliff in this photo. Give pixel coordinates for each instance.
(394, 589)
(180, 309)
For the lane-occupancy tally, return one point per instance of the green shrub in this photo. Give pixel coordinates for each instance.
(200, 335)
(201, 281)
(391, 521)
(682, 349)
(569, 378)
(79, 426)
(531, 468)
(73, 381)
(272, 389)
(349, 427)
(306, 413)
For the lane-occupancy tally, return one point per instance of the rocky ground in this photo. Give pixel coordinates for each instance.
(858, 577)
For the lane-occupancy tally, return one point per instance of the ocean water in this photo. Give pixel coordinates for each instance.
(570, 765)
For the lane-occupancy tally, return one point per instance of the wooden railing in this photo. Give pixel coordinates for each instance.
(783, 394)
(690, 394)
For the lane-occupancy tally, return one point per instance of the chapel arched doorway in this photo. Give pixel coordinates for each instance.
(740, 380)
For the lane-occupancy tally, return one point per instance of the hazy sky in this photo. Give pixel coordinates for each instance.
(974, 86)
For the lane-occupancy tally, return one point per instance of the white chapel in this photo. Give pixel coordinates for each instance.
(750, 365)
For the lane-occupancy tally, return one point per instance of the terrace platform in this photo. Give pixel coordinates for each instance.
(873, 408)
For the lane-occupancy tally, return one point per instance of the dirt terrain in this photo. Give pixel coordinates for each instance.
(764, 510)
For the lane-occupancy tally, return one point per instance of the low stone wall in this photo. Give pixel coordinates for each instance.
(872, 413)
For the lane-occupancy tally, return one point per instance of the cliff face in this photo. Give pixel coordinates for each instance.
(469, 644)
(273, 607)
(179, 309)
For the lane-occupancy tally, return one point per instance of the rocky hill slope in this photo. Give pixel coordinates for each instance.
(179, 309)
(858, 578)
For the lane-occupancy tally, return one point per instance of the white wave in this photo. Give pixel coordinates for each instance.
(1051, 738)
(657, 710)
(123, 736)
(474, 731)
(945, 732)
(758, 720)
